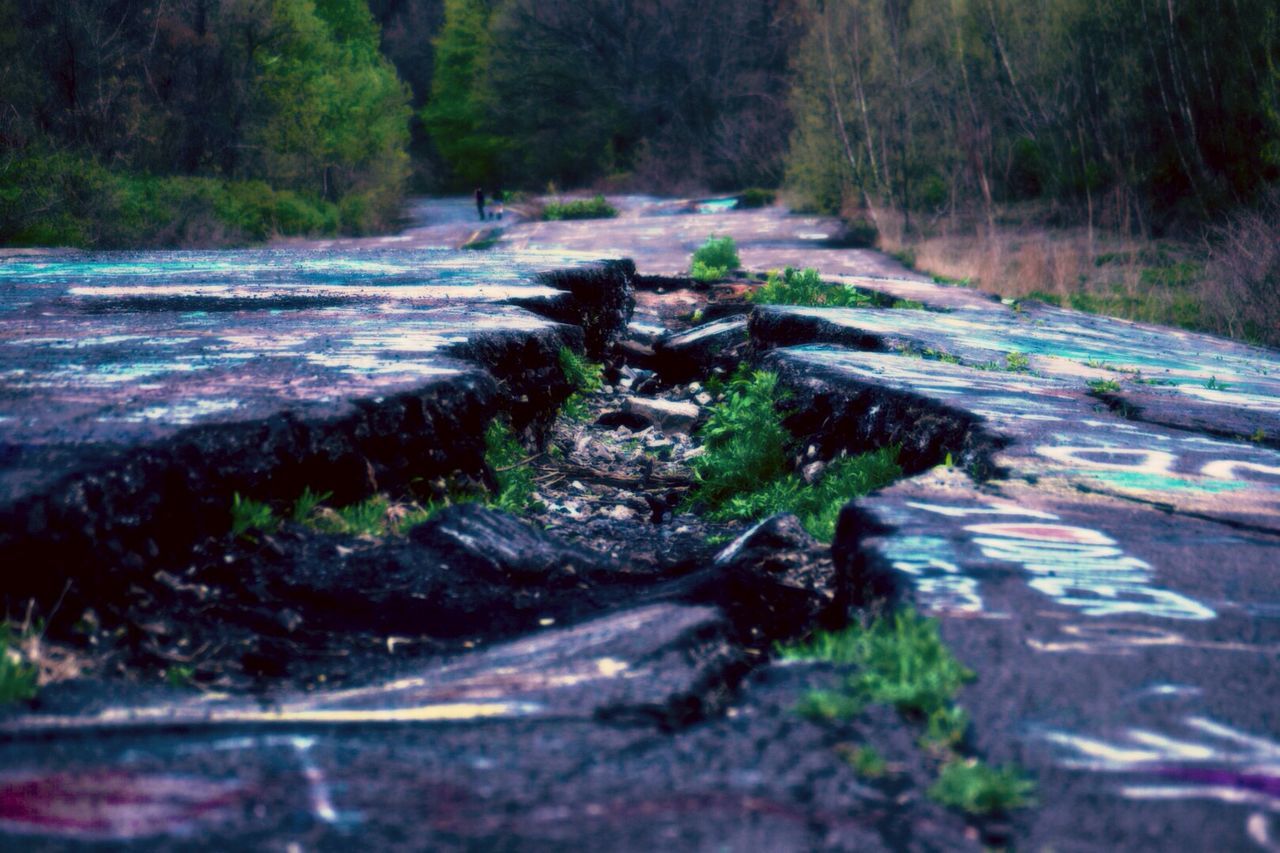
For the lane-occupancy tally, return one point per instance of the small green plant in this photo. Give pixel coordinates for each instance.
(867, 762)
(508, 461)
(829, 706)
(18, 679)
(906, 257)
(1214, 385)
(745, 440)
(945, 728)
(1017, 362)
(899, 660)
(940, 355)
(806, 288)
(976, 788)
(1259, 436)
(586, 378)
(308, 502)
(755, 197)
(743, 474)
(715, 259)
(367, 518)
(180, 675)
(248, 516)
(592, 208)
(1103, 386)
(906, 305)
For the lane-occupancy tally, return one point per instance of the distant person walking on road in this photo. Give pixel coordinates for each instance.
(480, 203)
(497, 206)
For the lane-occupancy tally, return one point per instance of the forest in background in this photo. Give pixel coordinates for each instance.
(178, 122)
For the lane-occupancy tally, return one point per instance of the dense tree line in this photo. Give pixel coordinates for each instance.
(1130, 113)
(261, 116)
(281, 115)
(666, 92)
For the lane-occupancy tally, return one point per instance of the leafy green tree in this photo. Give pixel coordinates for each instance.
(457, 114)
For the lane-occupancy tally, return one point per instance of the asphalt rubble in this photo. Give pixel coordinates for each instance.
(599, 671)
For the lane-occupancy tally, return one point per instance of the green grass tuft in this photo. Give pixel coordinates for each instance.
(1017, 362)
(806, 288)
(507, 459)
(744, 476)
(1103, 386)
(867, 762)
(715, 259)
(745, 440)
(900, 660)
(587, 208)
(18, 679)
(308, 502)
(585, 376)
(976, 788)
(248, 516)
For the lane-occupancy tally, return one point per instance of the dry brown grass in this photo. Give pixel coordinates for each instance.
(1228, 285)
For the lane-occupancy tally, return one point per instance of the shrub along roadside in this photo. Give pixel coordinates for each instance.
(588, 208)
(714, 259)
(64, 200)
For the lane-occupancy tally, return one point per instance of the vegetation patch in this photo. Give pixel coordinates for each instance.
(509, 462)
(1103, 386)
(979, 789)
(18, 679)
(806, 287)
(899, 659)
(585, 376)
(755, 197)
(714, 259)
(744, 475)
(583, 208)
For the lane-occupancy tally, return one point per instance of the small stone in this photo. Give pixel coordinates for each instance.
(812, 472)
(619, 512)
(703, 398)
(666, 415)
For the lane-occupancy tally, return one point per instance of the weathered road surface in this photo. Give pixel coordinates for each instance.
(1105, 557)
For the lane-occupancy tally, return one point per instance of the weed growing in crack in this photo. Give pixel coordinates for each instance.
(18, 679)
(1017, 362)
(745, 440)
(509, 462)
(304, 508)
(900, 660)
(806, 288)
(249, 516)
(867, 762)
(715, 259)
(744, 476)
(977, 788)
(180, 675)
(1215, 385)
(1103, 386)
(585, 376)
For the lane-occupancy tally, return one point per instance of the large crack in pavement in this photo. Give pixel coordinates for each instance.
(1089, 510)
(603, 642)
